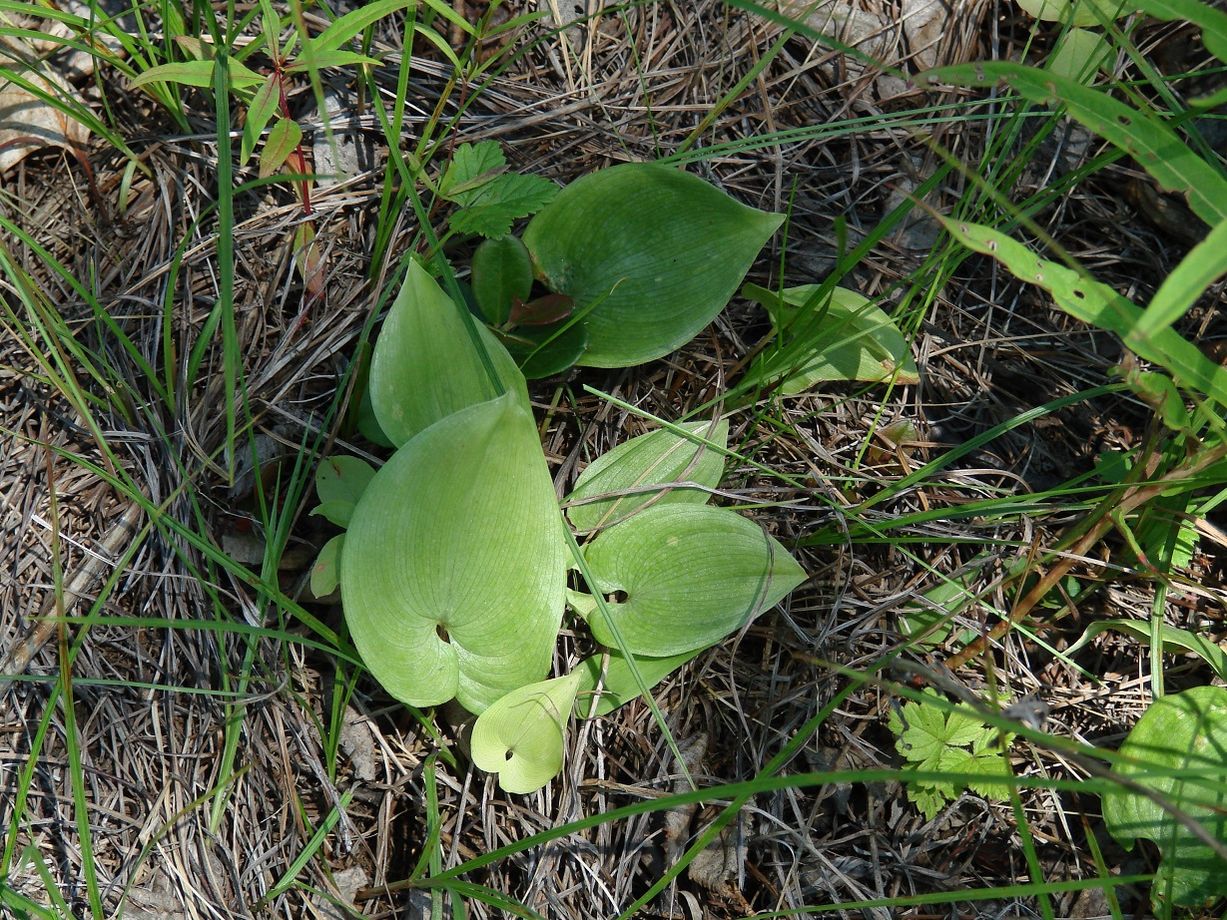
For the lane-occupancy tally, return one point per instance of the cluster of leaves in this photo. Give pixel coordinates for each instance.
(940, 738)
(454, 564)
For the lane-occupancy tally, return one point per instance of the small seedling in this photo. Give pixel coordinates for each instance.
(941, 738)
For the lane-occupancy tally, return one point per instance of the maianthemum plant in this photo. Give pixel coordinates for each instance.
(457, 566)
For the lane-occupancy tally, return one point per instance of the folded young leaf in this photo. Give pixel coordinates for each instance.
(520, 737)
(649, 254)
(847, 339)
(645, 466)
(426, 365)
(689, 574)
(454, 567)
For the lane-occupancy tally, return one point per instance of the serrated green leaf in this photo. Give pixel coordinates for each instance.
(964, 727)
(283, 140)
(472, 166)
(326, 572)
(490, 209)
(648, 464)
(454, 567)
(1178, 750)
(520, 737)
(619, 686)
(425, 366)
(691, 575)
(502, 273)
(263, 105)
(851, 339)
(649, 254)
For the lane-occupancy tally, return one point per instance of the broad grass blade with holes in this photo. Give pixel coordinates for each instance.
(1092, 302)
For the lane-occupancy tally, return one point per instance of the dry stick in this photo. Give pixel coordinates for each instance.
(18, 657)
(1133, 498)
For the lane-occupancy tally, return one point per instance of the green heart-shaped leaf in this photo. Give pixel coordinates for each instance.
(848, 339)
(1077, 12)
(649, 254)
(520, 737)
(642, 467)
(326, 572)
(691, 574)
(1179, 732)
(542, 351)
(426, 366)
(454, 566)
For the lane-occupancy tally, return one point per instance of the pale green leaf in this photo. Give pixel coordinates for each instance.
(691, 575)
(642, 468)
(454, 567)
(1155, 146)
(1178, 750)
(619, 685)
(1078, 12)
(340, 482)
(649, 253)
(425, 365)
(847, 339)
(520, 737)
(263, 106)
(282, 141)
(326, 572)
(183, 73)
(1079, 55)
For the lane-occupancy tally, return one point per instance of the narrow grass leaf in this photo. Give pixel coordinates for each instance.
(1155, 146)
(1210, 18)
(1171, 639)
(1204, 264)
(1092, 302)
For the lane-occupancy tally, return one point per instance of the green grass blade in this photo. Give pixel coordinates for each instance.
(1204, 264)
(1155, 146)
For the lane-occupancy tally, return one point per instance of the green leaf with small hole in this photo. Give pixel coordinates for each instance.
(340, 482)
(454, 565)
(520, 737)
(682, 576)
(1178, 749)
